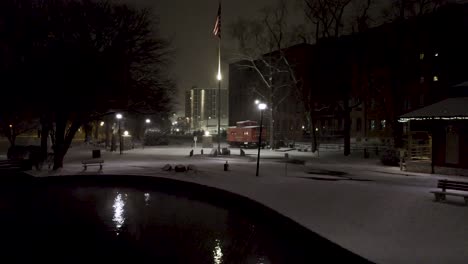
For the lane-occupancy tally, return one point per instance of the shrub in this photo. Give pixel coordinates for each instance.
(155, 138)
(390, 157)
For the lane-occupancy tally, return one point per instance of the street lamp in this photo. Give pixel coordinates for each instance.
(147, 122)
(261, 107)
(119, 117)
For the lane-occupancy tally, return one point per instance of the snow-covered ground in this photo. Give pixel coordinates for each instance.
(378, 212)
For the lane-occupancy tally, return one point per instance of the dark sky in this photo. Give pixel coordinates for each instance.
(189, 24)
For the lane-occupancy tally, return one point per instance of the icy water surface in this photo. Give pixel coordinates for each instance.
(76, 221)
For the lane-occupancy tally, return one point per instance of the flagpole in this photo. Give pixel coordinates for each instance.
(219, 88)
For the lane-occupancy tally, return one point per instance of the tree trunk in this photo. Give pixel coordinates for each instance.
(347, 128)
(313, 132)
(13, 141)
(88, 129)
(63, 138)
(314, 135)
(96, 131)
(107, 132)
(113, 142)
(60, 126)
(45, 129)
(272, 130)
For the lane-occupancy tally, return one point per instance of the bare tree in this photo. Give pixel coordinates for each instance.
(16, 123)
(361, 18)
(262, 45)
(326, 16)
(402, 9)
(81, 60)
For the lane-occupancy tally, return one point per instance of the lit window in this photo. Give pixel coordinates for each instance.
(421, 56)
(372, 125)
(383, 124)
(436, 78)
(421, 80)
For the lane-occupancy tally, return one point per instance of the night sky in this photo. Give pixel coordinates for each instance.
(189, 24)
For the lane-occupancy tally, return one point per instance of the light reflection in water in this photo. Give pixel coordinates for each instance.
(119, 211)
(147, 198)
(217, 253)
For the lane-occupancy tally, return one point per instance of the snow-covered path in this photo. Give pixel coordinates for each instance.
(374, 211)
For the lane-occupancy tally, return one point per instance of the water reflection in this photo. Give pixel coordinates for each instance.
(217, 253)
(132, 225)
(119, 210)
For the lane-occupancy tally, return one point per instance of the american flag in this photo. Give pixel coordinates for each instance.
(217, 27)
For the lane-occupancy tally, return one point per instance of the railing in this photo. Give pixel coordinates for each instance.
(420, 152)
(371, 149)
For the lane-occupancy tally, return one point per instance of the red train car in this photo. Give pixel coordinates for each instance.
(245, 134)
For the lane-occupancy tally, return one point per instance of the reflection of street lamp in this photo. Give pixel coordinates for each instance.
(119, 117)
(261, 107)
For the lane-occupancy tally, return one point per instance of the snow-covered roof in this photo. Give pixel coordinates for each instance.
(451, 108)
(463, 84)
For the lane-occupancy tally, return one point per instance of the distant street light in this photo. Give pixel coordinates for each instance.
(257, 102)
(102, 123)
(147, 122)
(119, 117)
(126, 133)
(261, 107)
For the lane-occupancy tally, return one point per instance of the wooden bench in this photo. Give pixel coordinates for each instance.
(451, 185)
(92, 162)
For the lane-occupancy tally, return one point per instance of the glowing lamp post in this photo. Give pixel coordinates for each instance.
(119, 118)
(147, 122)
(261, 107)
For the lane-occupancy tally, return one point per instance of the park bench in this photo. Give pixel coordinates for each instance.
(461, 189)
(92, 162)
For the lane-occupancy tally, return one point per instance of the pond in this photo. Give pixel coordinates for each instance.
(142, 220)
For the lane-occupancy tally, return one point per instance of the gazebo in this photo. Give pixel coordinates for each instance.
(446, 124)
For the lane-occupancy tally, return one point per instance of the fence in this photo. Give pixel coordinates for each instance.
(339, 147)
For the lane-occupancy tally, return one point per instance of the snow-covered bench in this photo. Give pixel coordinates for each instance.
(92, 162)
(461, 189)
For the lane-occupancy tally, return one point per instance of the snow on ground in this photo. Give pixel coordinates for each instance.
(378, 212)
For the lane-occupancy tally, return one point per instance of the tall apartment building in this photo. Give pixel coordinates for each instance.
(201, 107)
